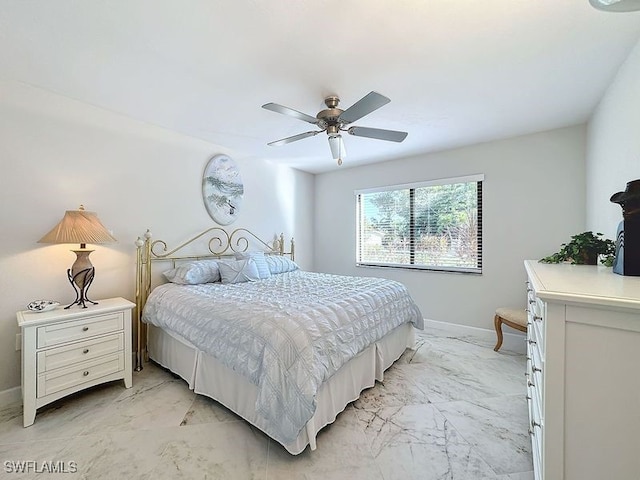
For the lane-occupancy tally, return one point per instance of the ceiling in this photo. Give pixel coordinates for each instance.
(458, 72)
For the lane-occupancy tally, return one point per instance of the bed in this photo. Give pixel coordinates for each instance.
(285, 349)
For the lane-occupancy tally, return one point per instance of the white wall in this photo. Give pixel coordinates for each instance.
(613, 147)
(533, 201)
(57, 153)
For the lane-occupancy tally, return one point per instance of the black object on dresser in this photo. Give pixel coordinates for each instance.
(627, 261)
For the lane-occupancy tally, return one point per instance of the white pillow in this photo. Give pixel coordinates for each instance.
(279, 264)
(258, 257)
(238, 271)
(193, 273)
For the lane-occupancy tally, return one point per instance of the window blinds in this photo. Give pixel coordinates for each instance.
(434, 225)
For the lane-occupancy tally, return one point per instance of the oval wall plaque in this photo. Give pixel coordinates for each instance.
(222, 189)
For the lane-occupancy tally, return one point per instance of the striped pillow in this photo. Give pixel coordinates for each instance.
(279, 264)
(193, 273)
(258, 257)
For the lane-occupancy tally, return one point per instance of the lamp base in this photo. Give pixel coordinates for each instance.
(81, 281)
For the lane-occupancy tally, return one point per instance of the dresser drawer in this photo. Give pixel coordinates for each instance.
(531, 294)
(63, 356)
(536, 317)
(72, 331)
(534, 337)
(65, 378)
(536, 427)
(536, 453)
(535, 372)
(537, 375)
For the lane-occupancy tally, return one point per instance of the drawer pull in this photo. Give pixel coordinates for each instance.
(85, 373)
(532, 301)
(85, 351)
(532, 342)
(537, 318)
(85, 328)
(535, 424)
(535, 369)
(530, 384)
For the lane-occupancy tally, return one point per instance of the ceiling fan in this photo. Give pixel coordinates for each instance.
(334, 120)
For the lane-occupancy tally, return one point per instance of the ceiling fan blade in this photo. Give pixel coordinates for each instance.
(274, 107)
(378, 133)
(367, 104)
(295, 138)
(337, 147)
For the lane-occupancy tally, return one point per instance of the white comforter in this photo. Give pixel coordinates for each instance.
(286, 334)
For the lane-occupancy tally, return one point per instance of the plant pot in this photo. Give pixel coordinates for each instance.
(588, 258)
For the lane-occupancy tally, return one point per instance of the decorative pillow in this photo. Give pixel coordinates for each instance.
(258, 257)
(193, 273)
(238, 271)
(279, 264)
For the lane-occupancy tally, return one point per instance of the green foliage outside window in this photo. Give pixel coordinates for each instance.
(427, 226)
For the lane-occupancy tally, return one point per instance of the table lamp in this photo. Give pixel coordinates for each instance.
(79, 226)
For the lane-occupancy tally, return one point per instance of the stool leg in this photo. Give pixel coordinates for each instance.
(497, 322)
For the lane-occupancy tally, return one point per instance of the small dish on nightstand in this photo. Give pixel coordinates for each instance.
(42, 305)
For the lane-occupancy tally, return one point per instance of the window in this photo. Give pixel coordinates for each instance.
(433, 225)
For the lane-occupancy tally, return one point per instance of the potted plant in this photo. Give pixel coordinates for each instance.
(584, 249)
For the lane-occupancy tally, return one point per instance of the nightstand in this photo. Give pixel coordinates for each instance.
(64, 351)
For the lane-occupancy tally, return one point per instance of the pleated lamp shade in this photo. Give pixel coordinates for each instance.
(78, 226)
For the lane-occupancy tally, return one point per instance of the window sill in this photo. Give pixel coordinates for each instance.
(470, 271)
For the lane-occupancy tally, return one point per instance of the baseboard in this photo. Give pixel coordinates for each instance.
(514, 342)
(11, 395)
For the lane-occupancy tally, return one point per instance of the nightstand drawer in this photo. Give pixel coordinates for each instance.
(72, 331)
(59, 357)
(65, 378)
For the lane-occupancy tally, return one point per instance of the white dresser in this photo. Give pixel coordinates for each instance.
(64, 351)
(583, 372)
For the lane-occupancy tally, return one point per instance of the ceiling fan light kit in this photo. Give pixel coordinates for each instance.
(616, 5)
(334, 120)
(337, 148)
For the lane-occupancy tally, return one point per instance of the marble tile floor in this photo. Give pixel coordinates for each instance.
(451, 409)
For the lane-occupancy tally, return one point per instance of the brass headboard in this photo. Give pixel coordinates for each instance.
(220, 244)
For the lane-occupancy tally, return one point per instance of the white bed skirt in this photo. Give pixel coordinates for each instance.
(207, 376)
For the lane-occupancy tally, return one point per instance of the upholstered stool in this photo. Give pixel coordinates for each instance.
(515, 318)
